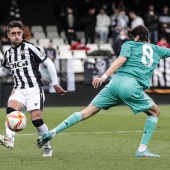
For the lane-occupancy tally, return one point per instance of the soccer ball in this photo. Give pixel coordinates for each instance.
(16, 121)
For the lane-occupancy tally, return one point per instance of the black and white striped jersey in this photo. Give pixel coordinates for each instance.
(23, 62)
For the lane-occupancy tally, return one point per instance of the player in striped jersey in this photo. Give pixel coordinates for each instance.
(22, 60)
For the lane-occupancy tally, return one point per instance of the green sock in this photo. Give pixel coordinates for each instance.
(71, 120)
(149, 128)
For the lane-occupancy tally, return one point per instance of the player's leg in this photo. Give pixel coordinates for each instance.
(37, 120)
(104, 100)
(134, 96)
(8, 141)
(35, 106)
(149, 128)
(76, 117)
(13, 105)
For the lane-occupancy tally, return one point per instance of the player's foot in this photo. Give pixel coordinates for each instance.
(44, 138)
(47, 152)
(145, 153)
(7, 142)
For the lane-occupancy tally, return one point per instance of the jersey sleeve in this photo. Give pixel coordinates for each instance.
(37, 53)
(164, 52)
(126, 49)
(5, 62)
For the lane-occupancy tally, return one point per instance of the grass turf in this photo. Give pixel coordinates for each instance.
(106, 141)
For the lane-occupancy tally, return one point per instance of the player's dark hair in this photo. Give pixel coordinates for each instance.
(14, 24)
(139, 30)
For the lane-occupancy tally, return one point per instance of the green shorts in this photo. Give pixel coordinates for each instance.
(123, 89)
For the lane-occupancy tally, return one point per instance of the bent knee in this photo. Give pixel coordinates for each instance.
(153, 111)
(89, 111)
(86, 113)
(156, 112)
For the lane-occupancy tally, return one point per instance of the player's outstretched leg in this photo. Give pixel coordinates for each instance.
(89, 111)
(47, 136)
(7, 142)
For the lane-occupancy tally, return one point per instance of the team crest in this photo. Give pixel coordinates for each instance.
(22, 52)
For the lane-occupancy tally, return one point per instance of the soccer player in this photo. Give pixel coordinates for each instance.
(134, 68)
(22, 59)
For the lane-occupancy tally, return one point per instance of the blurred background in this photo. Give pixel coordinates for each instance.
(83, 38)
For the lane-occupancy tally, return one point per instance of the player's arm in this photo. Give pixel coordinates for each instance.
(41, 57)
(164, 52)
(5, 68)
(3, 71)
(112, 69)
(53, 74)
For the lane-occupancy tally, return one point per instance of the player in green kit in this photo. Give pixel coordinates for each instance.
(134, 68)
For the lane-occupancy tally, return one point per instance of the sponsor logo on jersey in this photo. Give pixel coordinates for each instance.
(18, 64)
(22, 52)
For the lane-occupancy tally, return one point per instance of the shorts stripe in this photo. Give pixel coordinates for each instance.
(151, 103)
(41, 99)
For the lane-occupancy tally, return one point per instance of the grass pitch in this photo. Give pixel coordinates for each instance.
(107, 141)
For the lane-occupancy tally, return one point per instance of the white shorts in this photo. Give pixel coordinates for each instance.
(32, 98)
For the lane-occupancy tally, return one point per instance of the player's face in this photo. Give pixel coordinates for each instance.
(15, 35)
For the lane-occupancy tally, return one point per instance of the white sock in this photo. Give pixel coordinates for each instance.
(142, 147)
(9, 133)
(41, 129)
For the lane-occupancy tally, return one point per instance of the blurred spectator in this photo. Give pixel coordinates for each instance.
(163, 42)
(106, 8)
(122, 21)
(70, 26)
(118, 43)
(50, 51)
(89, 25)
(84, 6)
(46, 79)
(27, 32)
(113, 18)
(136, 20)
(121, 6)
(3, 35)
(102, 25)
(14, 10)
(164, 22)
(151, 19)
(60, 13)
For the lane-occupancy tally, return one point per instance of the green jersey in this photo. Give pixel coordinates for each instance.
(142, 58)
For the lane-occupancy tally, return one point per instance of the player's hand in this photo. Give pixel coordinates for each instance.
(59, 90)
(97, 82)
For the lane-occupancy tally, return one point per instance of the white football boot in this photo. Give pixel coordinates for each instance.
(47, 152)
(7, 142)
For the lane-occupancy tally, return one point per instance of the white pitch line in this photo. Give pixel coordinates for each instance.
(86, 133)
